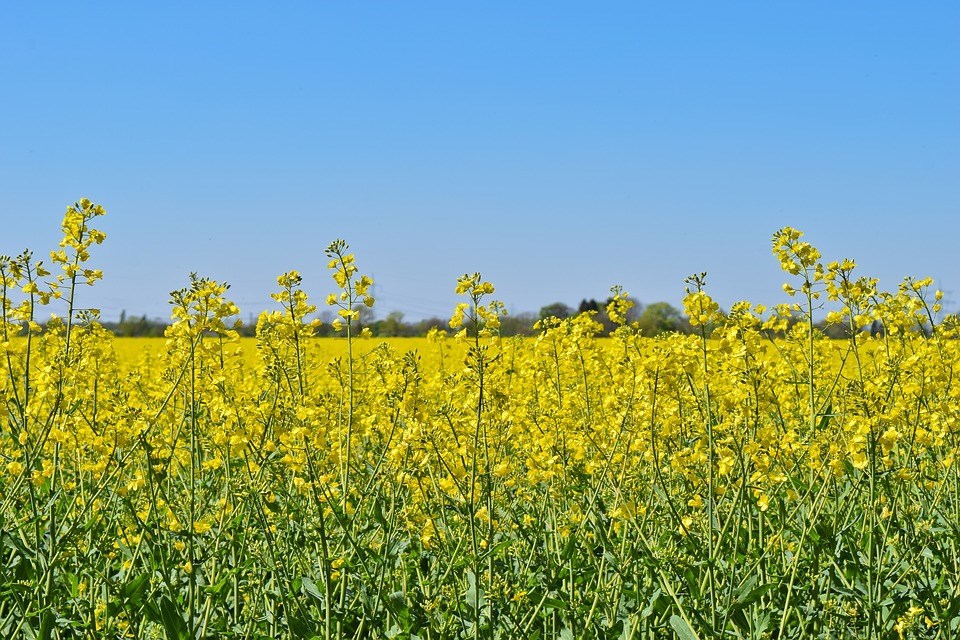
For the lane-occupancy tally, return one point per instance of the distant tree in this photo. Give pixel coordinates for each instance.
(520, 324)
(392, 325)
(123, 328)
(588, 305)
(138, 327)
(555, 310)
(366, 316)
(248, 329)
(326, 323)
(660, 317)
(423, 326)
(836, 330)
(634, 313)
(600, 309)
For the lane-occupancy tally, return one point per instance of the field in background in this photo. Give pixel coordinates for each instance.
(132, 351)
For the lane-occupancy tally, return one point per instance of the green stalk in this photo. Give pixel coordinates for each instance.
(711, 505)
(810, 348)
(192, 579)
(474, 465)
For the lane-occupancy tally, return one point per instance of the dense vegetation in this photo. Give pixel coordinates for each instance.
(721, 483)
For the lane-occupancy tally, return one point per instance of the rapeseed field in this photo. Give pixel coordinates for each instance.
(752, 480)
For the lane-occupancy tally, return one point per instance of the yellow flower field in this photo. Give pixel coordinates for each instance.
(138, 352)
(754, 480)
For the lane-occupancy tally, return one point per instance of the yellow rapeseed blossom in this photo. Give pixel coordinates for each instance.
(545, 477)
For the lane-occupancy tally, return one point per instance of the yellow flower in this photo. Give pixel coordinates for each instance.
(763, 502)
(456, 320)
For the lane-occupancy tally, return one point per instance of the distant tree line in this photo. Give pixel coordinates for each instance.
(652, 319)
(141, 327)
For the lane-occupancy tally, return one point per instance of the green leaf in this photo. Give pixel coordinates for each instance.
(752, 596)
(135, 589)
(825, 418)
(397, 599)
(378, 516)
(652, 606)
(474, 596)
(46, 625)
(684, 632)
(311, 589)
(217, 587)
(499, 547)
(301, 627)
(172, 619)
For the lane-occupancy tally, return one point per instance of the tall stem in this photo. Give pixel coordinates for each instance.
(711, 505)
(810, 355)
(192, 593)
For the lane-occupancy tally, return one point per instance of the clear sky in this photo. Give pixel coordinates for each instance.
(556, 147)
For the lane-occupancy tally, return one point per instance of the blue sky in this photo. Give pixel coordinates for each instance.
(558, 148)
